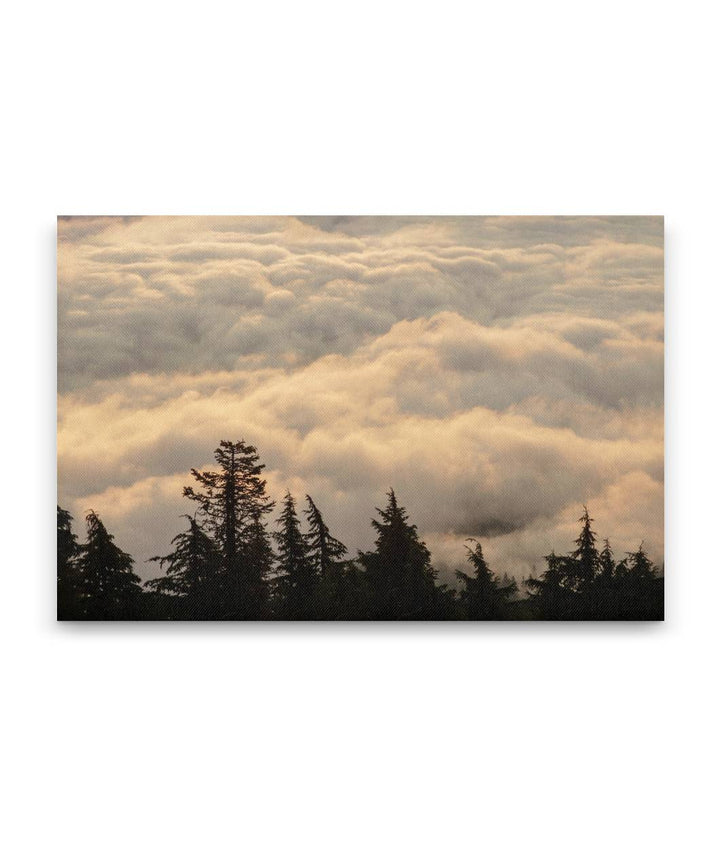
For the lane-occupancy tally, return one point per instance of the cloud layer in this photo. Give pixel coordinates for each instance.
(498, 372)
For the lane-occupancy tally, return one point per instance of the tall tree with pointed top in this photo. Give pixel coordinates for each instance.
(603, 597)
(327, 553)
(232, 502)
(297, 574)
(483, 597)
(325, 550)
(640, 566)
(109, 587)
(190, 566)
(191, 584)
(642, 588)
(586, 558)
(399, 573)
(606, 562)
(258, 557)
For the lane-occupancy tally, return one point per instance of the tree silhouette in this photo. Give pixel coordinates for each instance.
(109, 589)
(336, 594)
(68, 574)
(400, 576)
(297, 574)
(640, 567)
(258, 557)
(604, 601)
(551, 596)
(606, 562)
(582, 571)
(223, 567)
(325, 551)
(193, 575)
(191, 565)
(641, 588)
(232, 502)
(483, 596)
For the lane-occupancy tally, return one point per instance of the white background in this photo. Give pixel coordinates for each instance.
(359, 739)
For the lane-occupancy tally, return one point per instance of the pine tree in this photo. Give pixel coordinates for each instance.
(232, 502)
(193, 573)
(325, 550)
(326, 553)
(605, 587)
(606, 562)
(297, 575)
(621, 570)
(258, 558)
(586, 556)
(640, 567)
(642, 588)
(68, 579)
(108, 586)
(483, 596)
(400, 576)
(551, 598)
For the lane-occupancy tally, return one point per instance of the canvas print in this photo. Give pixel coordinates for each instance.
(360, 418)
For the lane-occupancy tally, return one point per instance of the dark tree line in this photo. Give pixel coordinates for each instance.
(228, 565)
(588, 584)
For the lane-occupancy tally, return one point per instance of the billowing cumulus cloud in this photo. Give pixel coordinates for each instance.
(498, 372)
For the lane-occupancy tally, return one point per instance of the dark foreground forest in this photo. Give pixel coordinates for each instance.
(227, 565)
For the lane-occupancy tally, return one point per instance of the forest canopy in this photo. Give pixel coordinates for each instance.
(228, 564)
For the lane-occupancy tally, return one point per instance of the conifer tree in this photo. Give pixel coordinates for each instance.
(109, 587)
(193, 572)
(399, 573)
(642, 589)
(587, 560)
(68, 579)
(551, 598)
(327, 553)
(483, 596)
(325, 550)
(258, 559)
(604, 595)
(640, 567)
(606, 562)
(297, 574)
(621, 570)
(232, 502)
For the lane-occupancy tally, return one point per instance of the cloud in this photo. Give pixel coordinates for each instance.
(166, 294)
(498, 372)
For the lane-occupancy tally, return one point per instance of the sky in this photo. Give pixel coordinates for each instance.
(497, 372)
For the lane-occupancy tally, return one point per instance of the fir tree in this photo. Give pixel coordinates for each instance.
(606, 562)
(297, 575)
(258, 559)
(326, 553)
(641, 588)
(400, 576)
(551, 598)
(605, 587)
(108, 586)
(640, 567)
(190, 566)
(483, 596)
(193, 573)
(68, 579)
(232, 502)
(325, 550)
(586, 558)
